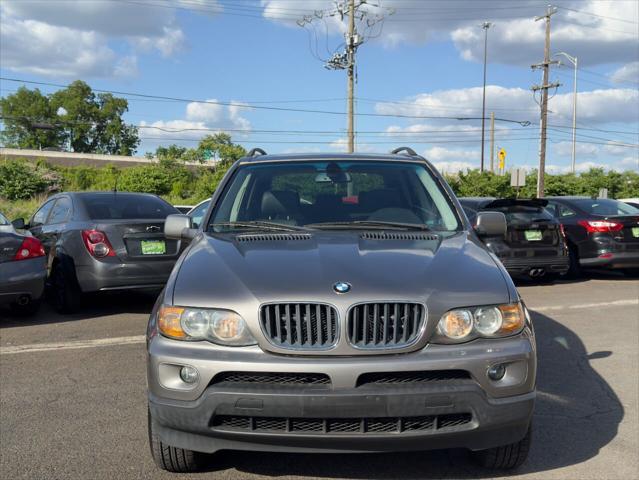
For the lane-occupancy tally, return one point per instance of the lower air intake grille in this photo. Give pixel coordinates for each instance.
(300, 326)
(410, 379)
(340, 426)
(270, 378)
(384, 325)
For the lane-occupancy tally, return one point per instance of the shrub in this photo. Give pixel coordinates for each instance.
(21, 180)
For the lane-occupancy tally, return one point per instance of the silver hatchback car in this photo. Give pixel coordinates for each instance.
(338, 303)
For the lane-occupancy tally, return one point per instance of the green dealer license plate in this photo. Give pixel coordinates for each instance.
(635, 232)
(533, 235)
(153, 247)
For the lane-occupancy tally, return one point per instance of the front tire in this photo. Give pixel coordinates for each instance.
(506, 457)
(171, 459)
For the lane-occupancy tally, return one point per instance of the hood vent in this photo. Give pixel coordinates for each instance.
(398, 236)
(273, 237)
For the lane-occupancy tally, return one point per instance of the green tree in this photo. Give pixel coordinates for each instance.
(28, 119)
(93, 123)
(220, 146)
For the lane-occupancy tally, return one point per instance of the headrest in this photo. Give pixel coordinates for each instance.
(280, 204)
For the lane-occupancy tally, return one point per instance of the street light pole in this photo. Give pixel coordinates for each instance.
(485, 26)
(574, 61)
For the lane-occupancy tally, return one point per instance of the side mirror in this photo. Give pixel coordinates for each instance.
(490, 224)
(178, 227)
(18, 224)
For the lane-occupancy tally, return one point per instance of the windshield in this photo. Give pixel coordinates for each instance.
(126, 206)
(605, 206)
(3, 220)
(315, 193)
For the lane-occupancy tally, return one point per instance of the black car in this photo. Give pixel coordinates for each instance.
(534, 244)
(99, 241)
(601, 232)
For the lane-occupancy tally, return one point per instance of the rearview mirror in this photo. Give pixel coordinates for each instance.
(18, 223)
(179, 227)
(490, 224)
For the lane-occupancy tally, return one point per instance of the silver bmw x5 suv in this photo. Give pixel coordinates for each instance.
(338, 303)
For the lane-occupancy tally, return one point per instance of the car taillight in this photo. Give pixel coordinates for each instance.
(594, 226)
(97, 243)
(30, 248)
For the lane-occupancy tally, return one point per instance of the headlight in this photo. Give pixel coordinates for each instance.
(224, 327)
(464, 324)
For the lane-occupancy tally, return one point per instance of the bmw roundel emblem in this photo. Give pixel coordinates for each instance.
(342, 287)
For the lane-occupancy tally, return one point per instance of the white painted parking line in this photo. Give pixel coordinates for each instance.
(47, 347)
(616, 303)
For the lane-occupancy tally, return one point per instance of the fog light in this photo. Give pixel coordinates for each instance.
(188, 374)
(497, 372)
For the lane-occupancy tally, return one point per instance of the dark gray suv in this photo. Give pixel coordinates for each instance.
(338, 303)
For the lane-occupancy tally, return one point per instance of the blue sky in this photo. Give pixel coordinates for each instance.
(425, 62)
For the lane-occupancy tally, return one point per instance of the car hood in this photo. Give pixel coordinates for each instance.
(240, 272)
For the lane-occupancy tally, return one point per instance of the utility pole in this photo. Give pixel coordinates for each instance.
(545, 66)
(574, 62)
(485, 26)
(492, 142)
(351, 47)
(370, 20)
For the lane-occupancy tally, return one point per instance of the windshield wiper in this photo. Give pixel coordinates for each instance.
(259, 224)
(368, 224)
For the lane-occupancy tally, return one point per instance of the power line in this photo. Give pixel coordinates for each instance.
(263, 107)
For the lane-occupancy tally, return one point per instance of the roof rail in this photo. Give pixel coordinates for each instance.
(409, 151)
(255, 151)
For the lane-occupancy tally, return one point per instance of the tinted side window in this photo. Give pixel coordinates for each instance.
(41, 215)
(61, 211)
(563, 211)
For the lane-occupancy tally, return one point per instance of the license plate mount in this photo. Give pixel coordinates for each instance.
(153, 247)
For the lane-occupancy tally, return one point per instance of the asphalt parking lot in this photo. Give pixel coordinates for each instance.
(72, 397)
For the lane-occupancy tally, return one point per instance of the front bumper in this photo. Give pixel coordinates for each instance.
(264, 417)
(20, 278)
(111, 275)
(612, 260)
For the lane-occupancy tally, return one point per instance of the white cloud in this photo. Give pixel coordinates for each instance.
(594, 107)
(200, 119)
(629, 73)
(86, 38)
(452, 160)
(39, 48)
(581, 149)
(341, 145)
(630, 162)
(515, 37)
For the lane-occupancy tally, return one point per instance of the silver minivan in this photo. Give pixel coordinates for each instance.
(338, 303)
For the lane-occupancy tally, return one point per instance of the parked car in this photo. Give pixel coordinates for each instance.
(99, 241)
(534, 245)
(334, 303)
(22, 269)
(602, 233)
(633, 202)
(197, 212)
